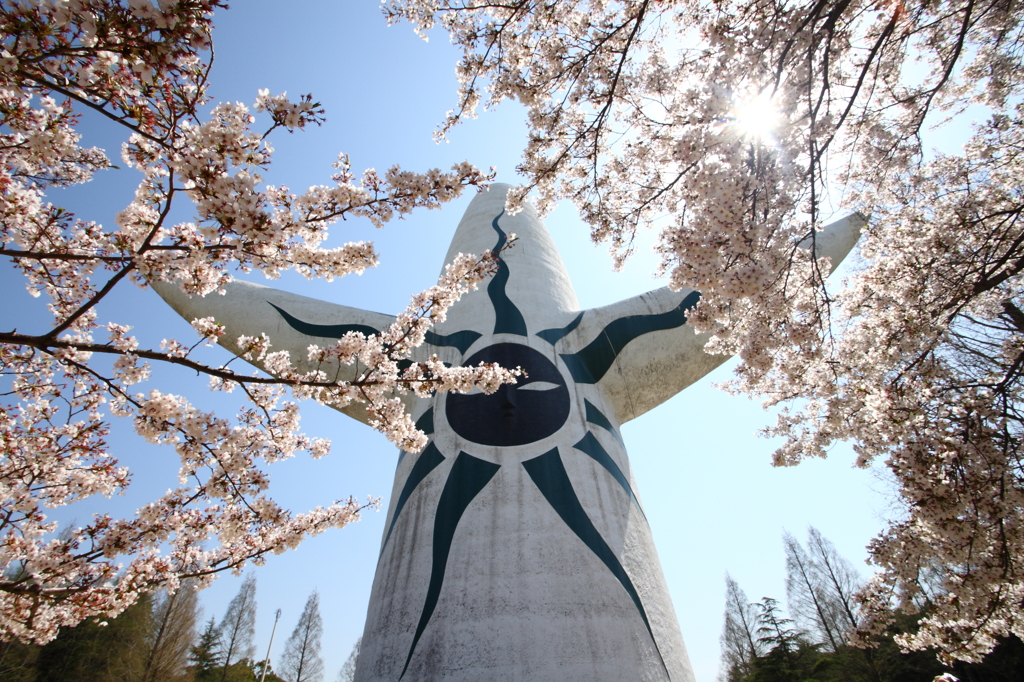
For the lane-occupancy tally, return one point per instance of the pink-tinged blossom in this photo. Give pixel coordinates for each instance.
(635, 115)
(145, 66)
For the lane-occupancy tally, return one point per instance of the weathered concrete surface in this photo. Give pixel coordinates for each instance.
(516, 547)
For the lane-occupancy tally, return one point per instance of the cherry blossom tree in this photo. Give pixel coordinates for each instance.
(144, 67)
(737, 128)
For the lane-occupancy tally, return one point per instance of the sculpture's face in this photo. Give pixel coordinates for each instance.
(534, 408)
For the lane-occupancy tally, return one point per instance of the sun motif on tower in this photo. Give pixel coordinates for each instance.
(523, 423)
(515, 547)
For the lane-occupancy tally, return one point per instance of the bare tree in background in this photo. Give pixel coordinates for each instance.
(810, 601)
(348, 671)
(301, 660)
(839, 575)
(239, 625)
(144, 68)
(739, 639)
(174, 632)
(736, 127)
(820, 585)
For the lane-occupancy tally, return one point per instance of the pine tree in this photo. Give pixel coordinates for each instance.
(18, 661)
(257, 669)
(301, 660)
(782, 642)
(206, 655)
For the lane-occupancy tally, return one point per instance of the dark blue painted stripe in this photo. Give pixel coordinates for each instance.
(427, 462)
(327, 331)
(461, 340)
(467, 478)
(590, 445)
(425, 424)
(553, 336)
(595, 416)
(548, 473)
(592, 362)
(507, 318)
(426, 421)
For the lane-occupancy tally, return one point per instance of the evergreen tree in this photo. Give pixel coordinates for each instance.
(18, 661)
(247, 670)
(821, 581)
(110, 651)
(257, 669)
(206, 655)
(301, 660)
(781, 641)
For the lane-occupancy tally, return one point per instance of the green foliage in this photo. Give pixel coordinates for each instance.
(271, 676)
(206, 656)
(18, 662)
(117, 650)
(96, 652)
(787, 655)
(783, 652)
(246, 670)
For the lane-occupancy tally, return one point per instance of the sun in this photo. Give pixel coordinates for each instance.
(756, 118)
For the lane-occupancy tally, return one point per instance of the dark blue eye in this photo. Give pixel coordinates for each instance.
(515, 414)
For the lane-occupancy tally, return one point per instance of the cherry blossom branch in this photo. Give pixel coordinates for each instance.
(916, 359)
(146, 67)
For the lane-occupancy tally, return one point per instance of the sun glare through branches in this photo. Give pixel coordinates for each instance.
(756, 118)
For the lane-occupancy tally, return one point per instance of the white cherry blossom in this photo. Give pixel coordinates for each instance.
(636, 113)
(144, 67)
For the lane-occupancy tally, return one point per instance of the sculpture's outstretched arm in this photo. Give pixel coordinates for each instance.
(642, 352)
(292, 323)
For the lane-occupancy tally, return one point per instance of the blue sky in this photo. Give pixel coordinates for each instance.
(713, 500)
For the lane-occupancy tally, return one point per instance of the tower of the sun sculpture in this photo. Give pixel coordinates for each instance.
(515, 546)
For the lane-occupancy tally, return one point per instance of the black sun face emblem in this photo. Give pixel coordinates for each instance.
(535, 408)
(516, 414)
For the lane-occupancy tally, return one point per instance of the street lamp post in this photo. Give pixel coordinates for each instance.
(266, 661)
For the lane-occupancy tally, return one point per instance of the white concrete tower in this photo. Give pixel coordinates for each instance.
(516, 547)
